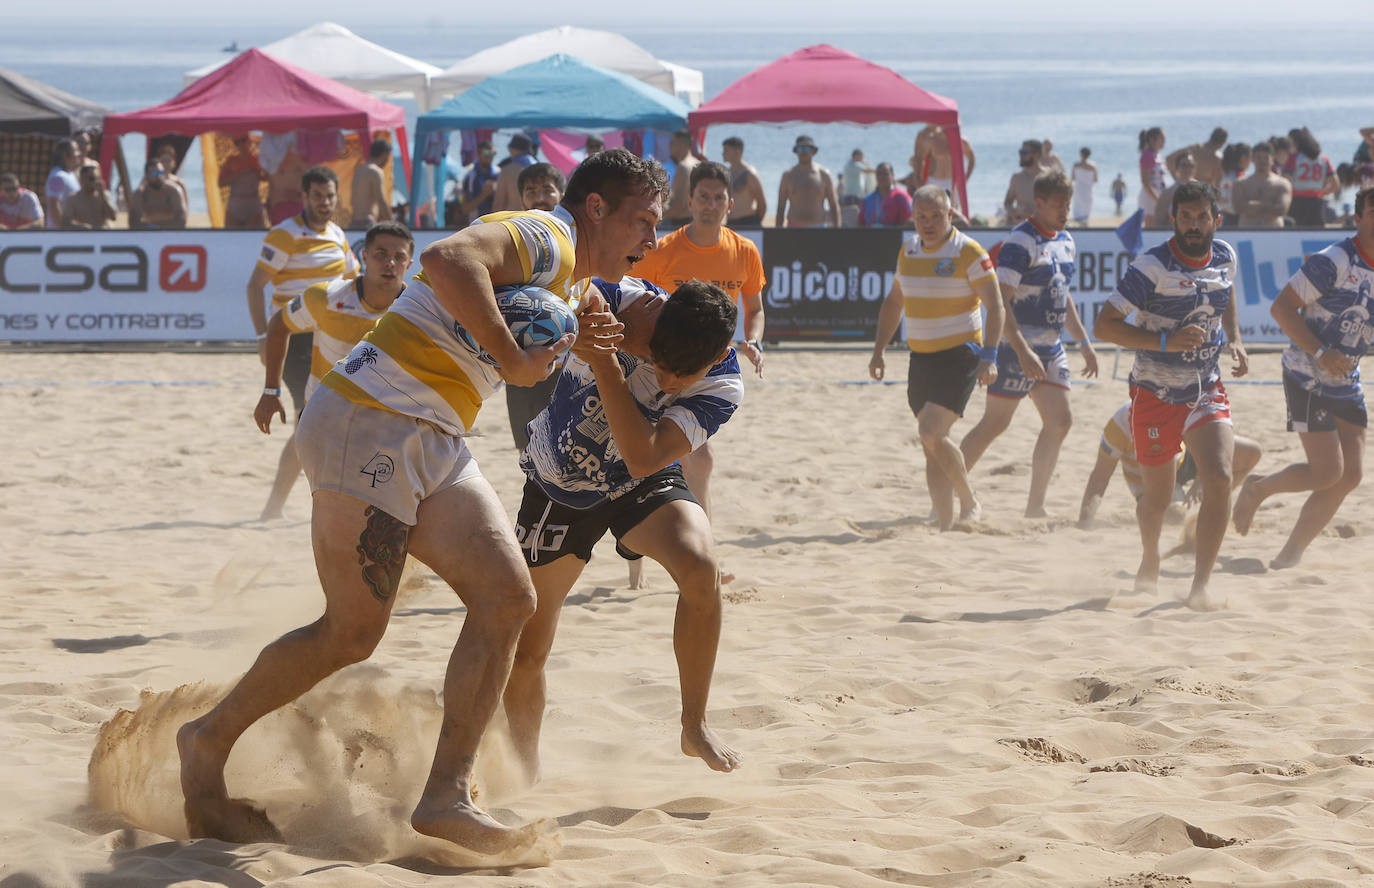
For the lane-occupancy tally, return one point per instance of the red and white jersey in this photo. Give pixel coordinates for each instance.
(1308, 175)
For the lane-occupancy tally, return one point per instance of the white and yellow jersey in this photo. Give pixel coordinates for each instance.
(298, 256)
(414, 363)
(339, 318)
(942, 310)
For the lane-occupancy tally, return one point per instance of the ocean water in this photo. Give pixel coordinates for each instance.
(1079, 86)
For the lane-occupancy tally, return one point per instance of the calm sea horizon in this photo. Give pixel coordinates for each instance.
(1091, 86)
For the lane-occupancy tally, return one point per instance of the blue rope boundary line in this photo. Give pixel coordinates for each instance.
(57, 383)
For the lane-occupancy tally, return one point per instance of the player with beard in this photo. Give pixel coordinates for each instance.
(1182, 293)
(1324, 310)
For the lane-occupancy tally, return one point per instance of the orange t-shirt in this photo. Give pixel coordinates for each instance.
(733, 264)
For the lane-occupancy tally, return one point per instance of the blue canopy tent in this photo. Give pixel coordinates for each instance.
(558, 92)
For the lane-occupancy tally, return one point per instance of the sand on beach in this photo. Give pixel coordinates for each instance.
(989, 706)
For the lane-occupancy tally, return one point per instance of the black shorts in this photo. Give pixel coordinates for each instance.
(524, 404)
(296, 371)
(548, 530)
(945, 377)
(754, 221)
(1310, 412)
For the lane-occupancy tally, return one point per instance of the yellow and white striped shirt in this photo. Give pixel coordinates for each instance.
(339, 317)
(415, 364)
(298, 256)
(942, 310)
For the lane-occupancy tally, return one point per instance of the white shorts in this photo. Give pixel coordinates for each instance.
(387, 460)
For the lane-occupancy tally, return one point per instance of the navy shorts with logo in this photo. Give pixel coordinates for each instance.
(1310, 412)
(548, 530)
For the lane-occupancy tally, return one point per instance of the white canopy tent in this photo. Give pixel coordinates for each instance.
(604, 49)
(335, 52)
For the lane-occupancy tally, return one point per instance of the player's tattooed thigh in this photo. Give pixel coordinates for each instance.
(382, 552)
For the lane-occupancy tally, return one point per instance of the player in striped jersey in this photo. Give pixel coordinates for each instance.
(381, 443)
(298, 252)
(1035, 268)
(1325, 312)
(943, 276)
(1181, 294)
(337, 314)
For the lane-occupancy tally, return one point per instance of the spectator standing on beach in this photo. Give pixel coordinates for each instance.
(855, 182)
(887, 205)
(1048, 159)
(593, 145)
(1184, 171)
(1283, 151)
(1084, 181)
(1119, 191)
(1182, 296)
(477, 190)
(1262, 198)
(506, 197)
(746, 188)
(1325, 312)
(931, 165)
(242, 175)
(19, 207)
(1035, 270)
(1151, 169)
(1313, 179)
(368, 192)
(1235, 160)
(1206, 158)
(308, 248)
(806, 194)
(92, 206)
(170, 163)
(155, 203)
(1020, 200)
(677, 213)
(943, 277)
(61, 183)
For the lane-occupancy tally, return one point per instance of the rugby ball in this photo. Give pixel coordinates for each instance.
(534, 315)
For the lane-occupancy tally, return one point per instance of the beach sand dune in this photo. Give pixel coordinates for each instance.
(989, 706)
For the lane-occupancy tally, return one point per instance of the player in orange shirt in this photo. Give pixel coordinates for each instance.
(704, 249)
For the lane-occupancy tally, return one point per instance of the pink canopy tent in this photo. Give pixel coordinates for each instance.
(256, 92)
(822, 84)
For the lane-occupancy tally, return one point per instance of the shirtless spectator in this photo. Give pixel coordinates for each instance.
(507, 195)
(806, 194)
(1185, 170)
(1262, 198)
(156, 203)
(92, 206)
(677, 213)
(170, 164)
(931, 162)
(368, 194)
(62, 182)
(1020, 200)
(1048, 159)
(751, 204)
(1206, 160)
(82, 141)
(242, 175)
(19, 207)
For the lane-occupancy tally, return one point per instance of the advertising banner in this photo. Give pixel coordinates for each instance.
(823, 284)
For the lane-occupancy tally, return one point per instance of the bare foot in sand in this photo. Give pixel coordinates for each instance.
(971, 512)
(1247, 502)
(637, 580)
(468, 826)
(1147, 578)
(1282, 561)
(701, 742)
(1038, 512)
(1202, 600)
(210, 813)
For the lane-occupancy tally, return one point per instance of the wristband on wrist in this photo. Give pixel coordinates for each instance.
(1163, 340)
(262, 336)
(754, 343)
(1321, 350)
(988, 354)
(274, 392)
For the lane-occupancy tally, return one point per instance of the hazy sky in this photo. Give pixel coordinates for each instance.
(835, 14)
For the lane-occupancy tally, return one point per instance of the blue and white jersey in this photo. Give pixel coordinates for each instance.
(572, 455)
(1335, 287)
(1037, 268)
(1166, 290)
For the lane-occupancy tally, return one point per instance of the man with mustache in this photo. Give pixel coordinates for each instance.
(1020, 200)
(1182, 295)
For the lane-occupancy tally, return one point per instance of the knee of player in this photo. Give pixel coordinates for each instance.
(930, 435)
(1351, 476)
(352, 641)
(698, 576)
(1328, 473)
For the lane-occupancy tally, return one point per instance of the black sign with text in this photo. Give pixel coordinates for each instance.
(825, 283)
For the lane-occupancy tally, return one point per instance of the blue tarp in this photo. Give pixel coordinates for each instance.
(559, 92)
